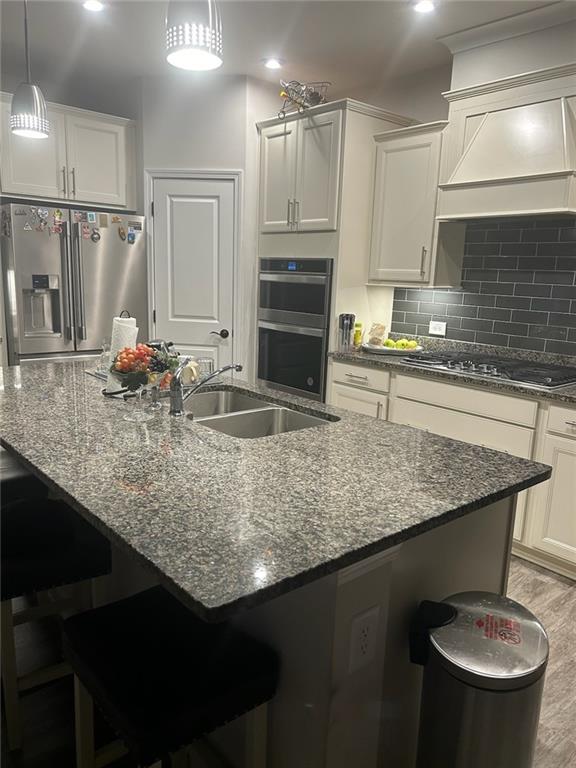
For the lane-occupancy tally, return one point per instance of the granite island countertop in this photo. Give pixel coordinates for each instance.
(566, 394)
(227, 523)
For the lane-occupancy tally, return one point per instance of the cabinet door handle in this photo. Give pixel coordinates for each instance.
(296, 212)
(289, 213)
(355, 376)
(64, 180)
(423, 259)
(74, 181)
(379, 410)
(571, 423)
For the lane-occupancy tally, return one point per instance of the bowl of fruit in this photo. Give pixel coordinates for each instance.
(394, 347)
(138, 369)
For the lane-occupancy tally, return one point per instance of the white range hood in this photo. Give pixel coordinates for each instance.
(513, 160)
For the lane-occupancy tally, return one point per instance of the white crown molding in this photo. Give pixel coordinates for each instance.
(345, 104)
(566, 173)
(518, 24)
(411, 130)
(514, 81)
(383, 114)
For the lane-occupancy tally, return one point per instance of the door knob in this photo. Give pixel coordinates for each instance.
(224, 333)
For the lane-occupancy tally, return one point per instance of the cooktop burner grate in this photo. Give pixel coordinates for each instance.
(489, 366)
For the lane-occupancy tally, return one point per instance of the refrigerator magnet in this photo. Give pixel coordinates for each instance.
(27, 227)
(57, 215)
(116, 219)
(95, 236)
(103, 220)
(122, 233)
(91, 217)
(131, 238)
(85, 231)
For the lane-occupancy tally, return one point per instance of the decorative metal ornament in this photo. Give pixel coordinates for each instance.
(194, 35)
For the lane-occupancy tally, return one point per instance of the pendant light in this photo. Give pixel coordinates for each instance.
(28, 115)
(194, 35)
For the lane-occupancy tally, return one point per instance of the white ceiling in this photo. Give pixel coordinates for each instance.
(347, 42)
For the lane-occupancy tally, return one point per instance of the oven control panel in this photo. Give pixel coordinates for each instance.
(304, 266)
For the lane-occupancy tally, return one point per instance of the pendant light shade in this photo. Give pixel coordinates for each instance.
(194, 35)
(28, 116)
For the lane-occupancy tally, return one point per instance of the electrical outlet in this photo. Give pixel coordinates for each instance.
(437, 328)
(363, 639)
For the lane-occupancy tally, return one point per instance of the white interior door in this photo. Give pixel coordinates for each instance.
(194, 223)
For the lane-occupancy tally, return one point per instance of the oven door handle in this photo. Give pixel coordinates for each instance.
(303, 331)
(288, 277)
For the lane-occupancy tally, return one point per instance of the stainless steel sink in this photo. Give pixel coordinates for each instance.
(262, 423)
(221, 401)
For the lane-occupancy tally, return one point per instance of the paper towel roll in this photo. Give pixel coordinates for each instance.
(124, 334)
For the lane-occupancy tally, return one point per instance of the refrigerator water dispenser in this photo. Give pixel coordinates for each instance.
(41, 304)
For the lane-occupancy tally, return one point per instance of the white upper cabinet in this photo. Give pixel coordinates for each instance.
(96, 160)
(318, 172)
(300, 174)
(407, 169)
(35, 167)
(277, 176)
(408, 246)
(85, 159)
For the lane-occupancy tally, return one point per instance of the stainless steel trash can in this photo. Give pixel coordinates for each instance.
(484, 660)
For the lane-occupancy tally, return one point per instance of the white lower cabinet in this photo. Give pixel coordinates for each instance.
(553, 504)
(469, 428)
(359, 400)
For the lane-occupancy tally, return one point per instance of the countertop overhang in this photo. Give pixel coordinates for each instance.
(228, 523)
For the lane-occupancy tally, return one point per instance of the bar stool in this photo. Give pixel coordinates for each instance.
(16, 482)
(163, 678)
(44, 544)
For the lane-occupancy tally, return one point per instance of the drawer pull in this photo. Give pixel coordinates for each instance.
(355, 376)
(379, 410)
(571, 423)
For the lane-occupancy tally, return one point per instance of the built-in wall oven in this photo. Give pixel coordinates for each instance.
(293, 320)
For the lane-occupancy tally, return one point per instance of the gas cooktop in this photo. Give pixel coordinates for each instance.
(531, 374)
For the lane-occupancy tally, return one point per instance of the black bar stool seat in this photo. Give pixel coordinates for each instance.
(162, 677)
(46, 544)
(16, 482)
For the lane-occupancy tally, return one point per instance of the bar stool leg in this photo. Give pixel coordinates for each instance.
(10, 678)
(257, 737)
(84, 721)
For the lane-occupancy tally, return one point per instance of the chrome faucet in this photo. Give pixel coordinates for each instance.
(177, 396)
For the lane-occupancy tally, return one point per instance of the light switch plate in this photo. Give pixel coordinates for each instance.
(437, 328)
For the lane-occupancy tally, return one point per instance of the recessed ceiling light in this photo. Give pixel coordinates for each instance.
(424, 6)
(273, 63)
(93, 5)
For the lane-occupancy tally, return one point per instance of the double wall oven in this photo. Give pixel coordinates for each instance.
(293, 322)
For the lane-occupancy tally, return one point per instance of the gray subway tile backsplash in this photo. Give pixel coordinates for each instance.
(518, 288)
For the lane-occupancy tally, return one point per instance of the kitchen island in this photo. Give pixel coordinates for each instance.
(306, 538)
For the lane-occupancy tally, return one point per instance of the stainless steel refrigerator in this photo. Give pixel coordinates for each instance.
(66, 274)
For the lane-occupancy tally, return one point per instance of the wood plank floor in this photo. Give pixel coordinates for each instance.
(552, 599)
(48, 715)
